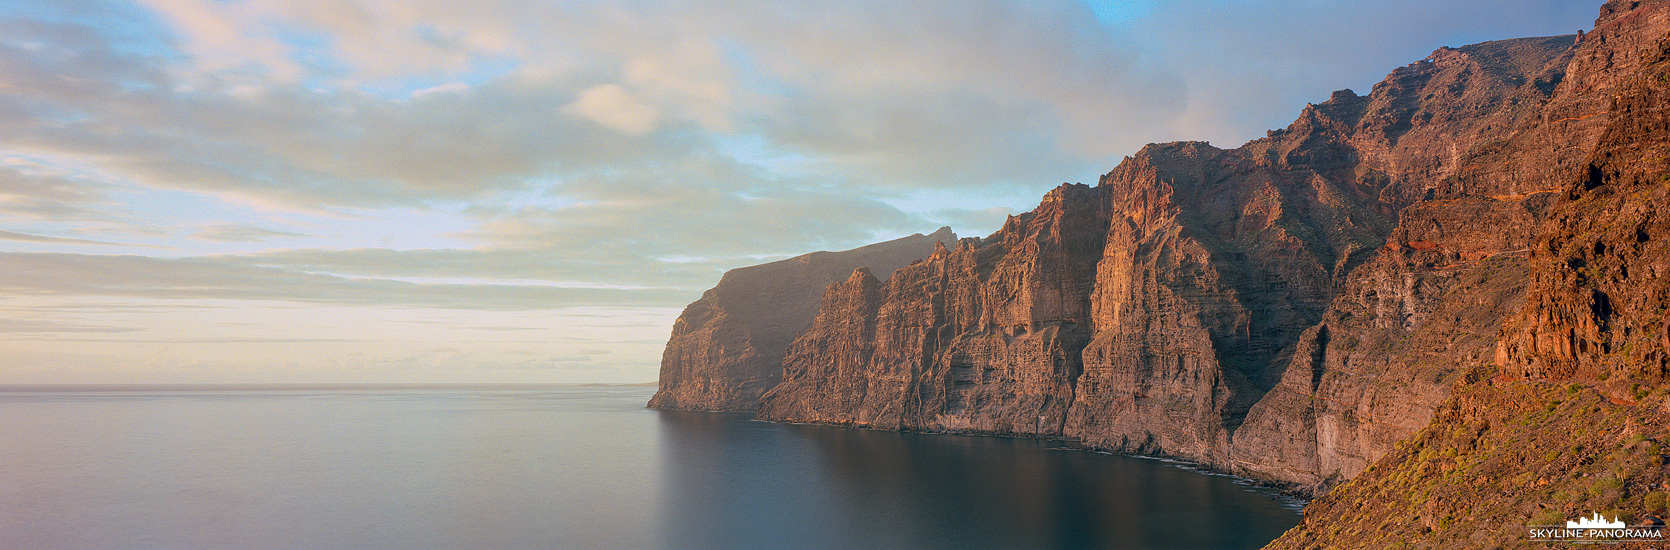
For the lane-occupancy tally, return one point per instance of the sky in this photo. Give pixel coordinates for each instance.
(504, 191)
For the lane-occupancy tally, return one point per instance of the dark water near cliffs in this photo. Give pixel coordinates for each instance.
(562, 467)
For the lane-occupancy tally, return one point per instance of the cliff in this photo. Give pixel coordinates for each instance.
(1286, 310)
(981, 339)
(1569, 415)
(727, 347)
(1393, 290)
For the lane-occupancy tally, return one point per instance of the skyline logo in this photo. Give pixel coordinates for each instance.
(1597, 522)
(1597, 529)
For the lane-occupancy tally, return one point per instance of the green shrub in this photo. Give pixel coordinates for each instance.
(1548, 517)
(1654, 502)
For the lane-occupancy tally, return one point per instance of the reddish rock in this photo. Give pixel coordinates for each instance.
(1600, 277)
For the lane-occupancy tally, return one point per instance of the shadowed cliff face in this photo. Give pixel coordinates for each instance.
(727, 348)
(1286, 310)
(984, 338)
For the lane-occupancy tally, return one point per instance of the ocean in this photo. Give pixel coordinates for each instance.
(563, 467)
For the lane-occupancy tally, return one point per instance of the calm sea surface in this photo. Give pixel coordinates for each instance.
(563, 467)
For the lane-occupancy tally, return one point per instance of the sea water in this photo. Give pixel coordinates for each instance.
(562, 467)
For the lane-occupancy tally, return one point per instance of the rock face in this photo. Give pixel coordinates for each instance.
(1571, 412)
(985, 338)
(1286, 310)
(1483, 229)
(727, 348)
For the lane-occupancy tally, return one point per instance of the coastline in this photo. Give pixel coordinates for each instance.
(1291, 496)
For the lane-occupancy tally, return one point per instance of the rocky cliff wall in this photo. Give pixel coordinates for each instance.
(1570, 415)
(1287, 310)
(1387, 350)
(983, 338)
(727, 347)
(1453, 271)
(1293, 308)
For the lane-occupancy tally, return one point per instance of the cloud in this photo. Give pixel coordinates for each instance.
(931, 86)
(128, 115)
(223, 340)
(215, 35)
(39, 274)
(16, 326)
(612, 106)
(710, 217)
(27, 238)
(678, 229)
(241, 233)
(31, 190)
(285, 102)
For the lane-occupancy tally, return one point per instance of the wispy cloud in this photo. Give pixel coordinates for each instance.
(201, 279)
(241, 233)
(16, 326)
(27, 238)
(31, 190)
